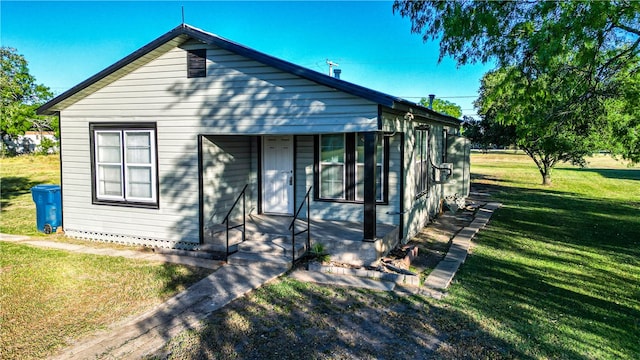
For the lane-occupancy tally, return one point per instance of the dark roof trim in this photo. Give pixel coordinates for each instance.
(184, 30)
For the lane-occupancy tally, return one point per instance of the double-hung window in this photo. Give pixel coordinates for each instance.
(124, 165)
(340, 167)
(421, 163)
(360, 168)
(332, 166)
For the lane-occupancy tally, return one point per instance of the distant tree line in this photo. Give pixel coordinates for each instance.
(21, 96)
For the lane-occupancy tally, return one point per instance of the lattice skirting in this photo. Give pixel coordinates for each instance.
(129, 240)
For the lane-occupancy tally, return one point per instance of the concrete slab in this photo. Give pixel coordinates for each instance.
(55, 245)
(13, 238)
(341, 280)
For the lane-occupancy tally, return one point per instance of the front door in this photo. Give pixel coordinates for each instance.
(277, 175)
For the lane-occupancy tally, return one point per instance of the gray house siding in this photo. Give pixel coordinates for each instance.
(417, 211)
(228, 164)
(238, 97)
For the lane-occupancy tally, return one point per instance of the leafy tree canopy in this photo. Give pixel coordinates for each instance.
(566, 75)
(552, 121)
(601, 36)
(21, 96)
(444, 107)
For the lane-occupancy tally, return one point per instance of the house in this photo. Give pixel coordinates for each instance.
(157, 148)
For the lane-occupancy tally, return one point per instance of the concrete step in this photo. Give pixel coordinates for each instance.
(271, 247)
(248, 258)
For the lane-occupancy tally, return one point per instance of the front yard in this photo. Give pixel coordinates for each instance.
(554, 275)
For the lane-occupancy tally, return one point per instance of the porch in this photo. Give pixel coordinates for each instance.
(268, 238)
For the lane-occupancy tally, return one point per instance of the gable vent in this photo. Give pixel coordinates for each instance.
(197, 63)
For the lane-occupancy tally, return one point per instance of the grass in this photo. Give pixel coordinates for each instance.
(49, 298)
(554, 275)
(17, 176)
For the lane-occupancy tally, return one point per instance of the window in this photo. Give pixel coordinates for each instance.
(124, 168)
(197, 63)
(421, 164)
(332, 169)
(360, 168)
(444, 145)
(340, 167)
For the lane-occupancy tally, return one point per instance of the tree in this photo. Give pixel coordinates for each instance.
(444, 107)
(486, 133)
(601, 35)
(21, 96)
(552, 121)
(581, 47)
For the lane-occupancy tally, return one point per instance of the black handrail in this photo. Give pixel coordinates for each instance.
(292, 227)
(244, 219)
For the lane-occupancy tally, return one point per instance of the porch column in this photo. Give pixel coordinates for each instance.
(369, 223)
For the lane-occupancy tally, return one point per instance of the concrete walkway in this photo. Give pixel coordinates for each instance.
(146, 333)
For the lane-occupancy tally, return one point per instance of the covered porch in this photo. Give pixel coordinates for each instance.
(276, 172)
(271, 235)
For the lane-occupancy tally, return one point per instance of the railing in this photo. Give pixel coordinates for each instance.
(244, 220)
(292, 227)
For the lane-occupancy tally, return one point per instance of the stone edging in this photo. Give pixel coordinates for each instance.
(442, 275)
(400, 279)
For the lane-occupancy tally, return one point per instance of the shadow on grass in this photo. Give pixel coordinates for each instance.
(14, 186)
(555, 271)
(294, 320)
(622, 174)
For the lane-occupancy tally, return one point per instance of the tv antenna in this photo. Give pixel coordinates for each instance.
(331, 65)
(182, 15)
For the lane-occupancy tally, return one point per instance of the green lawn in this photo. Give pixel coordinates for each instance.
(555, 275)
(557, 272)
(17, 176)
(50, 298)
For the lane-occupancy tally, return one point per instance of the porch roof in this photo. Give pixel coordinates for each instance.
(182, 33)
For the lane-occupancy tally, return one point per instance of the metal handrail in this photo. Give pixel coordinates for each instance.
(292, 227)
(244, 219)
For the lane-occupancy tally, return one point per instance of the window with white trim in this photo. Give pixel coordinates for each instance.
(360, 168)
(124, 164)
(421, 163)
(340, 167)
(332, 166)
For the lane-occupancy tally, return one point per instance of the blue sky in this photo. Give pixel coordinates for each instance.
(67, 42)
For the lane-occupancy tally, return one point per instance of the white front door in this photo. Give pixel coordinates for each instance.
(277, 175)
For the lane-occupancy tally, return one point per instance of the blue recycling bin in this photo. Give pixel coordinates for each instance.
(48, 207)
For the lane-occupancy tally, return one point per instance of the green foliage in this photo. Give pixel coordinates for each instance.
(21, 96)
(601, 35)
(553, 121)
(317, 252)
(487, 133)
(47, 146)
(444, 107)
(568, 69)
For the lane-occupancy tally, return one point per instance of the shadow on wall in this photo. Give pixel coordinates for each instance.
(227, 102)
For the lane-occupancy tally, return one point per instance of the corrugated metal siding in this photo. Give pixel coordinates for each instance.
(238, 96)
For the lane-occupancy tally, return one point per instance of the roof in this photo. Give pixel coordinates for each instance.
(183, 32)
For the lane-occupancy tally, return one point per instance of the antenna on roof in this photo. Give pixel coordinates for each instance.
(182, 15)
(331, 65)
